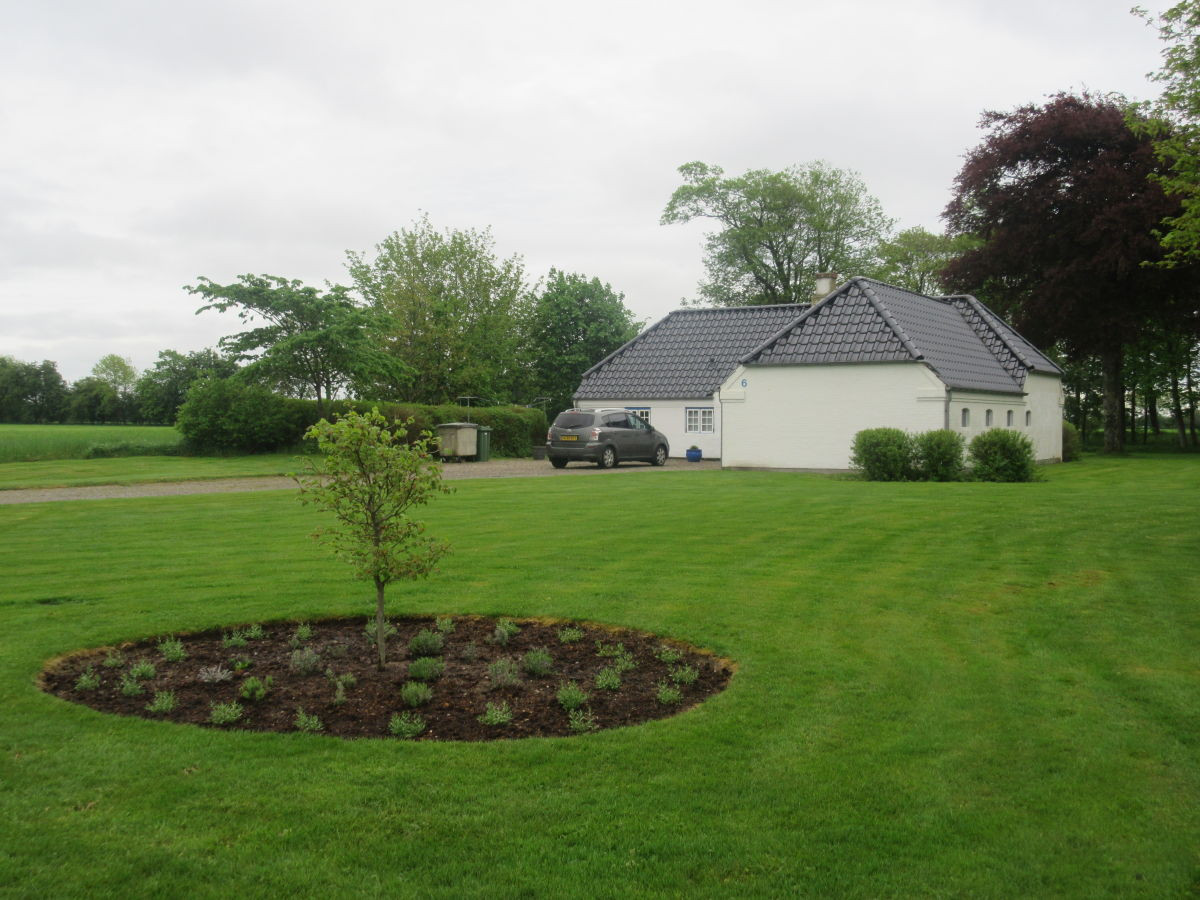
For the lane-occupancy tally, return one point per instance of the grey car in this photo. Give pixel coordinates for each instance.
(605, 437)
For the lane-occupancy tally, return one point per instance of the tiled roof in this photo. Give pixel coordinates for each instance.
(686, 355)
(868, 321)
(690, 352)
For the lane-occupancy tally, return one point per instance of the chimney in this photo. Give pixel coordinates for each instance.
(825, 284)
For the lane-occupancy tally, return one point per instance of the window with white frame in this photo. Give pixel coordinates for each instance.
(642, 412)
(699, 420)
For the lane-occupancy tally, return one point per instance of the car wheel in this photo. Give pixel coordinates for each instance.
(608, 458)
(558, 463)
(660, 456)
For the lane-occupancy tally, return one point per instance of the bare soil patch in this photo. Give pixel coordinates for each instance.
(649, 669)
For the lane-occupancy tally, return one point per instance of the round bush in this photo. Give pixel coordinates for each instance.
(939, 455)
(1070, 442)
(224, 415)
(1001, 455)
(883, 454)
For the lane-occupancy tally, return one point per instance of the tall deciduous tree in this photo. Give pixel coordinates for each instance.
(575, 323)
(1173, 120)
(370, 479)
(118, 373)
(162, 389)
(312, 343)
(914, 259)
(1060, 196)
(31, 392)
(456, 312)
(778, 230)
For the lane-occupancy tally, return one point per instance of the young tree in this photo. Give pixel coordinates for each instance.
(1060, 197)
(575, 323)
(778, 230)
(312, 343)
(455, 313)
(119, 374)
(370, 479)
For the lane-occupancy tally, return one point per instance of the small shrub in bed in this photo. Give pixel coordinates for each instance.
(254, 689)
(496, 714)
(426, 668)
(406, 725)
(233, 639)
(668, 655)
(882, 454)
(389, 630)
(426, 643)
(538, 662)
(254, 633)
(505, 631)
(88, 680)
(668, 694)
(608, 679)
(571, 696)
(1001, 455)
(503, 673)
(302, 635)
(684, 675)
(130, 686)
(213, 674)
(569, 634)
(304, 661)
(581, 721)
(306, 722)
(416, 693)
(172, 649)
(114, 660)
(142, 670)
(445, 624)
(224, 713)
(163, 702)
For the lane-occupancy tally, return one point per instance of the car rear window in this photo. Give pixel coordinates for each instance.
(573, 420)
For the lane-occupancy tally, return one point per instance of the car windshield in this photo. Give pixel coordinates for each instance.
(573, 420)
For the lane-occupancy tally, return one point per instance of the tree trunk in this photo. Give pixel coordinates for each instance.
(380, 637)
(1191, 389)
(1152, 413)
(1177, 410)
(1114, 400)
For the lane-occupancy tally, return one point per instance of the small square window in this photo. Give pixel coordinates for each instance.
(1009, 419)
(966, 417)
(987, 418)
(1028, 418)
(699, 420)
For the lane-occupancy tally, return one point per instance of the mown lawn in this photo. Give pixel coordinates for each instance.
(141, 469)
(943, 690)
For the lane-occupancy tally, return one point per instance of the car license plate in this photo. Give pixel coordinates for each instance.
(568, 437)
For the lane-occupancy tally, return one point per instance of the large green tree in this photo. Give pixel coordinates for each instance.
(119, 373)
(914, 259)
(456, 313)
(31, 392)
(310, 343)
(778, 230)
(575, 322)
(1060, 196)
(1173, 120)
(162, 388)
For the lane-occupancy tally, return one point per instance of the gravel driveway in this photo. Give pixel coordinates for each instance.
(496, 468)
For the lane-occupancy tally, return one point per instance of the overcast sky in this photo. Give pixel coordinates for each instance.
(143, 144)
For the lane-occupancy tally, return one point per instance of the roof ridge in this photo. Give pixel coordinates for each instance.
(879, 307)
(716, 309)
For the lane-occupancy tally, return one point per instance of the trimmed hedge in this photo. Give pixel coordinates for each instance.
(1070, 442)
(223, 415)
(1001, 455)
(883, 454)
(939, 455)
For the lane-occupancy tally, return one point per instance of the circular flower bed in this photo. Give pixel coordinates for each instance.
(466, 678)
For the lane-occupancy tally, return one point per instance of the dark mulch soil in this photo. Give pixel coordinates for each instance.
(460, 695)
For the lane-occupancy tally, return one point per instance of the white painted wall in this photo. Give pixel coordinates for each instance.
(1045, 397)
(669, 417)
(1043, 401)
(805, 417)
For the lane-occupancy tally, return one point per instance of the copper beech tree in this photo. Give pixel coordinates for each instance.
(371, 479)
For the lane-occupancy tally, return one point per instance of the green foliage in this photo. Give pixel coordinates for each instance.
(684, 674)
(609, 679)
(303, 634)
(668, 655)
(778, 230)
(340, 684)
(915, 257)
(426, 643)
(505, 630)
(130, 685)
(31, 392)
(143, 670)
(569, 634)
(370, 481)
(406, 725)
(1001, 455)
(304, 661)
(88, 680)
(426, 668)
(240, 663)
(503, 673)
(581, 721)
(224, 713)
(254, 632)
(496, 714)
(213, 674)
(227, 415)
(1070, 442)
(416, 693)
(469, 652)
(114, 659)
(938, 455)
(172, 649)
(571, 696)
(255, 689)
(235, 638)
(452, 314)
(538, 662)
(668, 694)
(306, 722)
(163, 702)
(445, 625)
(575, 323)
(162, 388)
(371, 630)
(606, 651)
(883, 454)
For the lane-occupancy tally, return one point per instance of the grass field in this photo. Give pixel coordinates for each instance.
(30, 442)
(943, 690)
(141, 469)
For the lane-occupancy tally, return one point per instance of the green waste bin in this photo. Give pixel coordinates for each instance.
(483, 450)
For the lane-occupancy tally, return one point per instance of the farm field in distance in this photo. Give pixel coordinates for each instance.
(941, 689)
(22, 443)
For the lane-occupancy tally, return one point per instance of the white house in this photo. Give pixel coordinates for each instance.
(789, 386)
